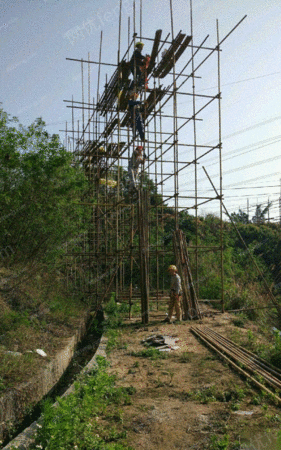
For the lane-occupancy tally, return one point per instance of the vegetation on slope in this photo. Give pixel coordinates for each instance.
(39, 196)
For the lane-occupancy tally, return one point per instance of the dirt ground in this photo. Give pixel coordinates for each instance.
(190, 400)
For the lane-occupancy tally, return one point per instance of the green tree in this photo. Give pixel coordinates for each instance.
(260, 213)
(40, 191)
(240, 217)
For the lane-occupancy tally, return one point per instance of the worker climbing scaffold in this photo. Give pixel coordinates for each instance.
(136, 108)
(138, 157)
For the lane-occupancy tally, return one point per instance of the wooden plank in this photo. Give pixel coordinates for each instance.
(154, 52)
(177, 56)
(190, 301)
(169, 55)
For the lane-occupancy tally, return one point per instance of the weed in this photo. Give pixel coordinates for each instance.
(211, 357)
(236, 336)
(213, 394)
(159, 383)
(185, 357)
(275, 353)
(273, 418)
(75, 423)
(183, 396)
(239, 321)
(2, 386)
(136, 308)
(256, 400)
(13, 368)
(219, 444)
(122, 346)
(114, 319)
(251, 339)
(12, 319)
(123, 308)
(171, 373)
(116, 416)
(235, 406)
(112, 342)
(151, 353)
(236, 446)
(206, 395)
(130, 390)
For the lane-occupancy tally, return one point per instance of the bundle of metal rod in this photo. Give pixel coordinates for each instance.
(190, 302)
(253, 365)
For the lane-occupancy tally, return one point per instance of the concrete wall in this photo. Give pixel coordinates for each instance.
(13, 404)
(27, 438)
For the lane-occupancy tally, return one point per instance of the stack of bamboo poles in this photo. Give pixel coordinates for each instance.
(189, 298)
(245, 362)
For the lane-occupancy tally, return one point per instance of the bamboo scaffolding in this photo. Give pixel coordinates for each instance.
(121, 226)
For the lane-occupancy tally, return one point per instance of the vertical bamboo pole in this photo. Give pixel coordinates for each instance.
(220, 169)
(195, 155)
(83, 110)
(143, 252)
(175, 127)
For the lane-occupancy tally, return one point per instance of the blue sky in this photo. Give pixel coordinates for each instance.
(37, 36)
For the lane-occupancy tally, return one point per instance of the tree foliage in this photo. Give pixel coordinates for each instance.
(40, 191)
(240, 217)
(260, 213)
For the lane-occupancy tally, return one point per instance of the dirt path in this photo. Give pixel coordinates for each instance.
(190, 400)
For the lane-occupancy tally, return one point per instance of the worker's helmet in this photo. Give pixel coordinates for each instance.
(139, 45)
(139, 148)
(172, 267)
(101, 149)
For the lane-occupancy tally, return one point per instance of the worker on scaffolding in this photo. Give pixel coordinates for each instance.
(138, 157)
(175, 293)
(136, 108)
(138, 64)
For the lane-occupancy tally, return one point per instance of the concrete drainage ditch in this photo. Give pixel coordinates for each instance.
(54, 380)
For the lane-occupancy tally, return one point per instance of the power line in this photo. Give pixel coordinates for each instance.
(242, 81)
(273, 140)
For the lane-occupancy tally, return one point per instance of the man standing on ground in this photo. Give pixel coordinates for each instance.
(175, 293)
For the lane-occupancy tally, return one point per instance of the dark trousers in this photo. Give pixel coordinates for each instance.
(137, 124)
